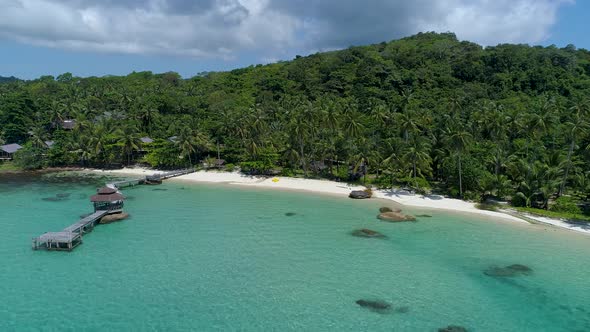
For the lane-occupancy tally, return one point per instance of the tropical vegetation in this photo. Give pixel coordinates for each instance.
(426, 112)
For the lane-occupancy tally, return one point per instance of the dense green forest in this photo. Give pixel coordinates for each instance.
(427, 111)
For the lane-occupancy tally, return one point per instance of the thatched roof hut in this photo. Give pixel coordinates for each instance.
(106, 194)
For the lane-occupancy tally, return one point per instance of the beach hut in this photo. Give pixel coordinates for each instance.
(108, 199)
(146, 140)
(49, 144)
(7, 151)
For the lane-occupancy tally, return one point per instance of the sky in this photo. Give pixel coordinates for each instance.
(116, 37)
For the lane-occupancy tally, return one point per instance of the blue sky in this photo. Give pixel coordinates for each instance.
(101, 37)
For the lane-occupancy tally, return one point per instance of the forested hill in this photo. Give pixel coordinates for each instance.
(8, 79)
(510, 120)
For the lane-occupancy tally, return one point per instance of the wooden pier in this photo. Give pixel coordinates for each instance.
(150, 179)
(107, 201)
(71, 236)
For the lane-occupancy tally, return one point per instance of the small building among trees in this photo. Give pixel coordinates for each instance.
(7, 151)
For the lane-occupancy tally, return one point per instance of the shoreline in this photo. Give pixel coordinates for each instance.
(404, 198)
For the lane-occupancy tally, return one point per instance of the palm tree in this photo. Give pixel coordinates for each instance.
(392, 161)
(129, 140)
(353, 127)
(186, 143)
(408, 124)
(38, 137)
(417, 154)
(458, 140)
(147, 115)
(98, 140)
(575, 128)
(300, 131)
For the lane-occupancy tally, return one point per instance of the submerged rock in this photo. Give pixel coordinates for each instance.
(402, 310)
(359, 194)
(159, 189)
(377, 306)
(395, 217)
(452, 328)
(423, 216)
(367, 233)
(290, 214)
(513, 270)
(520, 268)
(388, 209)
(114, 217)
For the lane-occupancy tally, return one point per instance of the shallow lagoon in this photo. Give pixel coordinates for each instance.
(203, 257)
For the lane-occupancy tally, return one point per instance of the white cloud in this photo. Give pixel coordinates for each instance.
(224, 28)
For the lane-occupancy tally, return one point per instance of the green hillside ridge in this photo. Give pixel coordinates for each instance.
(427, 111)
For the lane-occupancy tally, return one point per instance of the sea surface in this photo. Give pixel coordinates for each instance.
(198, 257)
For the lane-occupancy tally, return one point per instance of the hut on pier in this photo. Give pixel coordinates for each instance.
(108, 199)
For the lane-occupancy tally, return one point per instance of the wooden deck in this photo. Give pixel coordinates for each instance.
(71, 236)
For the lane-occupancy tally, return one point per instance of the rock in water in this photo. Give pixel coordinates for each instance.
(388, 209)
(395, 217)
(359, 194)
(513, 270)
(113, 217)
(402, 310)
(452, 328)
(367, 233)
(377, 306)
(523, 269)
(290, 214)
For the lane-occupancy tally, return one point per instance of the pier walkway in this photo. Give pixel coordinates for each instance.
(157, 177)
(71, 236)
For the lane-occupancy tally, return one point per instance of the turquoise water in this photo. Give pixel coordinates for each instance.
(203, 257)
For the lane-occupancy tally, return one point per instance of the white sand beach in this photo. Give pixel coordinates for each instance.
(340, 188)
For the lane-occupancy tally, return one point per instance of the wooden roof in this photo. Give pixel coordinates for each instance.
(106, 191)
(107, 197)
(107, 194)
